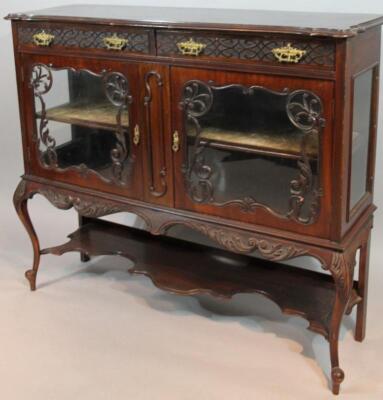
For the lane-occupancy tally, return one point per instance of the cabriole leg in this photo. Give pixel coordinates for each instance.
(20, 200)
(337, 374)
(342, 270)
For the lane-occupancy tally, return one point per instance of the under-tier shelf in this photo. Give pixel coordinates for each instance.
(97, 115)
(187, 268)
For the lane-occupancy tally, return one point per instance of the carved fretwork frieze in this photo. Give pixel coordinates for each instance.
(137, 41)
(247, 48)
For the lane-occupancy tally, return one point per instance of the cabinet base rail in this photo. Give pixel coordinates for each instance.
(187, 268)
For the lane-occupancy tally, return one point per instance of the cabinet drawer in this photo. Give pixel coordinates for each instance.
(68, 37)
(262, 49)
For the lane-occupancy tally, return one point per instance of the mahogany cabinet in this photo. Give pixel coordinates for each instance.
(256, 129)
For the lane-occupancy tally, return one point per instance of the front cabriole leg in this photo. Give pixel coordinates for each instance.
(20, 199)
(342, 269)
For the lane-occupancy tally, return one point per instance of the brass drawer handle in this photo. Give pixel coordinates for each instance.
(43, 39)
(190, 48)
(176, 142)
(136, 135)
(288, 54)
(114, 42)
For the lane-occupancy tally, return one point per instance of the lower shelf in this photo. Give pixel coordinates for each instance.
(187, 268)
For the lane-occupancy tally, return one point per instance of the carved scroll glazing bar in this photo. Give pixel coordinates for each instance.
(83, 122)
(268, 141)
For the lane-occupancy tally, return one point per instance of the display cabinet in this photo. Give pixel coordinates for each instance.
(256, 129)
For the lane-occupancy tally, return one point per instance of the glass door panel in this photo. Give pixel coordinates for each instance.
(83, 123)
(248, 147)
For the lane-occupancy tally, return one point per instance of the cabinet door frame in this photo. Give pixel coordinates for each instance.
(257, 214)
(81, 175)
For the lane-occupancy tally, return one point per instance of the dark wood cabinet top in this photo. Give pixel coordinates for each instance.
(315, 24)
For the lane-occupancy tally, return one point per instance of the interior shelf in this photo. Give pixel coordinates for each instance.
(187, 268)
(97, 115)
(261, 141)
(267, 142)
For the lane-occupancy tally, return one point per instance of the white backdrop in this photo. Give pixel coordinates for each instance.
(252, 339)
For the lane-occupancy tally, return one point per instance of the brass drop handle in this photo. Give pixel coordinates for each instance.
(136, 135)
(114, 42)
(176, 142)
(190, 47)
(288, 54)
(43, 39)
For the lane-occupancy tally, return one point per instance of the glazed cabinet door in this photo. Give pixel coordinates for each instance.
(82, 122)
(253, 148)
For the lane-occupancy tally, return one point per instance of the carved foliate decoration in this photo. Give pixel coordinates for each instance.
(41, 82)
(85, 207)
(304, 111)
(117, 89)
(41, 79)
(248, 47)
(246, 243)
(197, 98)
(342, 269)
(196, 101)
(91, 207)
(117, 92)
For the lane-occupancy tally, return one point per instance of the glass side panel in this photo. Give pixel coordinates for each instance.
(360, 136)
(250, 147)
(82, 121)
